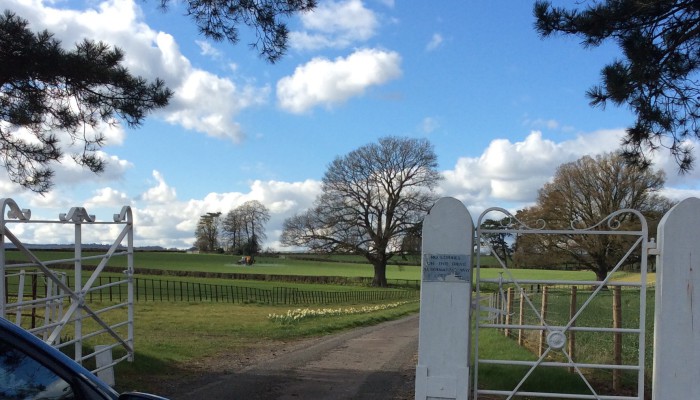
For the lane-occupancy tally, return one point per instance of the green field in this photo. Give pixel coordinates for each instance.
(342, 266)
(169, 334)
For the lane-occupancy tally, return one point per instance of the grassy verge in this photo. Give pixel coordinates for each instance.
(171, 338)
(495, 346)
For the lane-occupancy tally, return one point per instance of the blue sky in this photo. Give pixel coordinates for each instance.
(502, 107)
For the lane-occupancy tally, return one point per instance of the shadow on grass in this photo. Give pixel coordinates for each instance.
(495, 346)
(148, 374)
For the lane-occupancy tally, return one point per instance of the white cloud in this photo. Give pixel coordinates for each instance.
(321, 81)
(435, 42)
(507, 174)
(161, 193)
(206, 49)
(107, 197)
(514, 172)
(334, 25)
(203, 101)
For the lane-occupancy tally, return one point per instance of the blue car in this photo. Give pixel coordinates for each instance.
(31, 369)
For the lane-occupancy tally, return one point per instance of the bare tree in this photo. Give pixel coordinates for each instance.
(244, 226)
(582, 194)
(371, 199)
(232, 230)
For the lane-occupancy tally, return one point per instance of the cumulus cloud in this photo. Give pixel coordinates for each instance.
(160, 218)
(162, 193)
(108, 197)
(322, 81)
(506, 174)
(203, 101)
(514, 171)
(334, 25)
(172, 224)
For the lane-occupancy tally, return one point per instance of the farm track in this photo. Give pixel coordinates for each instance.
(370, 363)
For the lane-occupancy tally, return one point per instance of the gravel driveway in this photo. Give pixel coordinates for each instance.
(376, 362)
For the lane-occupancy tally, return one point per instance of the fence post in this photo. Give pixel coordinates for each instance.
(543, 313)
(573, 307)
(509, 310)
(445, 297)
(676, 341)
(521, 315)
(617, 338)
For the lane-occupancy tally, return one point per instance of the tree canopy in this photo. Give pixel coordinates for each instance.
(657, 76)
(243, 228)
(582, 194)
(206, 235)
(220, 19)
(371, 199)
(46, 90)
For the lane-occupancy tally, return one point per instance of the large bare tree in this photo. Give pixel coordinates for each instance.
(371, 198)
(582, 194)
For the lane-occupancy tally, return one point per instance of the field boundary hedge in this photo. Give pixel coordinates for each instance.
(340, 280)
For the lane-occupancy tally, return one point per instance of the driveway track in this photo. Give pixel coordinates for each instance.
(370, 363)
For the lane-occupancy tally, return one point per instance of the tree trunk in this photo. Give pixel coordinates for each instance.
(601, 272)
(379, 274)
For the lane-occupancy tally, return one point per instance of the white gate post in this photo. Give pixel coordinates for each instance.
(676, 341)
(445, 303)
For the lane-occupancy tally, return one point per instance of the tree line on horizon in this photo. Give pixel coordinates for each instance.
(240, 231)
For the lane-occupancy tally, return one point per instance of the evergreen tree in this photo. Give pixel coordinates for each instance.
(657, 75)
(45, 89)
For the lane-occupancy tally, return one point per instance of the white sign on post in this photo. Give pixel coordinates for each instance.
(445, 298)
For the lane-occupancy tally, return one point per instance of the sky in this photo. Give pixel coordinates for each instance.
(502, 107)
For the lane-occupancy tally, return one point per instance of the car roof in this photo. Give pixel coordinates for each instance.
(7, 327)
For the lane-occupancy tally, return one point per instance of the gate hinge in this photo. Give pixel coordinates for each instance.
(652, 250)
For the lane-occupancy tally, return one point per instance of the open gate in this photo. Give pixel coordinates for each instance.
(532, 315)
(75, 309)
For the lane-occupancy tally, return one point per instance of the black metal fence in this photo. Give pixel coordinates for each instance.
(149, 289)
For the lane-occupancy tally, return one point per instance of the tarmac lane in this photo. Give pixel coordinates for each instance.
(370, 363)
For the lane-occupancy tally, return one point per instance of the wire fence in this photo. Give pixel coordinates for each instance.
(616, 310)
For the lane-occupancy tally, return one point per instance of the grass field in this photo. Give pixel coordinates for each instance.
(348, 266)
(173, 338)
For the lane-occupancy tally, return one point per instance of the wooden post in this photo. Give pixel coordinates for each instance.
(543, 312)
(445, 303)
(617, 338)
(521, 314)
(573, 306)
(509, 310)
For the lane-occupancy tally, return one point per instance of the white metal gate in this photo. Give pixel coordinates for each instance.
(554, 333)
(80, 314)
